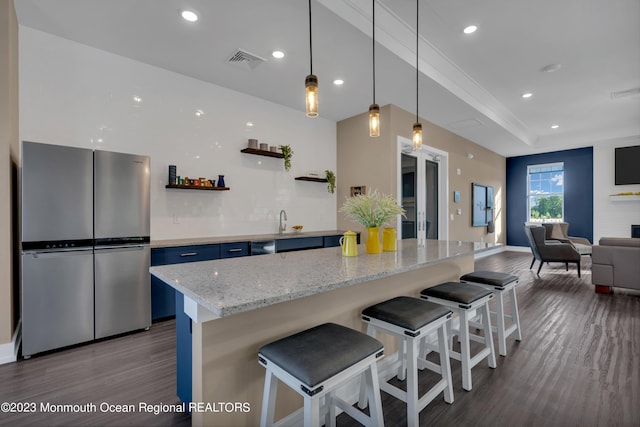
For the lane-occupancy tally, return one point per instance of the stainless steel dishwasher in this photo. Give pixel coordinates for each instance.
(262, 247)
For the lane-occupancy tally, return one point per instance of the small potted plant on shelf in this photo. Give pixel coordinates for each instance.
(372, 211)
(287, 152)
(331, 180)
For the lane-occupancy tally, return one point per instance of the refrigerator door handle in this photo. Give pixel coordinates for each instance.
(109, 248)
(53, 253)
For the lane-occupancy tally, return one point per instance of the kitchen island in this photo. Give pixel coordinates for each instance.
(237, 305)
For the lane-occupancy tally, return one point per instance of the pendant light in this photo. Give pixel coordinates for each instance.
(417, 126)
(311, 81)
(374, 109)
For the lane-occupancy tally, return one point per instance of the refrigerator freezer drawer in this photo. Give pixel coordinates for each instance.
(57, 300)
(122, 290)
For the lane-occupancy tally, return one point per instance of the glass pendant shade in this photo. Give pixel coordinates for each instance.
(417, 136)
(374, 120)
(311, 92)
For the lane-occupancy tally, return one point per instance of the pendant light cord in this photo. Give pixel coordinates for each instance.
(373, 7)
(310, 45)
(417, 35)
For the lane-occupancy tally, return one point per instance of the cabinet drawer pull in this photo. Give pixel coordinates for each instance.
(235, 250)
(189, 254)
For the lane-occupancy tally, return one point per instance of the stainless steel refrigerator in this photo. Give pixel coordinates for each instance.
(85, 245)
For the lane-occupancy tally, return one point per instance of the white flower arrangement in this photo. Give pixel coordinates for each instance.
(372, 210)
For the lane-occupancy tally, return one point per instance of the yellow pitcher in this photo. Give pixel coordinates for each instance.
(349, 243)
(389, 239)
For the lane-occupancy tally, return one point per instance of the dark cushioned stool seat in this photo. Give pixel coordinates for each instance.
(493, 278)
(317, 354)
(406, 312)
(412, 322)
(455, 291)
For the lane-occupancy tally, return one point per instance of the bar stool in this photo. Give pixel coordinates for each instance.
(411, 320)
(314, 363)
(500, 284)
(466, 300)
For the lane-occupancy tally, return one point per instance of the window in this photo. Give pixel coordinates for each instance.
(545, 184)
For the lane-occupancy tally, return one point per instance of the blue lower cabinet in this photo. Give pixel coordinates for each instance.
(162, 295)
(163, 300)
(233, 250)
(299, 243)
(332, 241)
(183, 350)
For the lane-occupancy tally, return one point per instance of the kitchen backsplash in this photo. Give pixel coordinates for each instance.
(76, 95)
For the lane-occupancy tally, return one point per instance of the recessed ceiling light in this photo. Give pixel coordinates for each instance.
(137, 99)
(555, 126)
(470, 29)
(338, 82)
(278, 54)
(199, 113)
(527, 95)
(249, 124)
(550, 68)
(189, 15)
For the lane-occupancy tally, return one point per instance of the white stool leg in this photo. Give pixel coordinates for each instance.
(268, 399)
(488, 336)
(311, 412)
(514, 313)
(465, 350)
(362, 401)
(402, 354)
(445, 363)
(330, 416)
(412, 382)
(502, 339)
(373, 391)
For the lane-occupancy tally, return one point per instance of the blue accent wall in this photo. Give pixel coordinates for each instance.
(578, 192)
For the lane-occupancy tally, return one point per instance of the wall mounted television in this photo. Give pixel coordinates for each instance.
(627, 165)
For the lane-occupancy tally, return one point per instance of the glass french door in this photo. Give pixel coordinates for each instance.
(422, 192)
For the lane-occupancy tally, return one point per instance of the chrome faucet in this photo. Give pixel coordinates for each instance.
(282, 227)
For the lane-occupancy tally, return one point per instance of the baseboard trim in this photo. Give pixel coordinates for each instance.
(526, 249)
(489, 252)
(9, 351)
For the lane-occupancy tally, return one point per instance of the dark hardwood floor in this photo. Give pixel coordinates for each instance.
(577, 365)
(139, 367)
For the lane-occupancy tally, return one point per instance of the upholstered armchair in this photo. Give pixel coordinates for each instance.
(560, 231)
(544, 251)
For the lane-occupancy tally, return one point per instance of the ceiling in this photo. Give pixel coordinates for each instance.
(469, 84)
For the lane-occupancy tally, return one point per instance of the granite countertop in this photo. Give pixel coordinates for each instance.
(229, 286)
(244, 238)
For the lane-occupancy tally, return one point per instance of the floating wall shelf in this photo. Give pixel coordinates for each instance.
(263, 153)
(195, 187)
(310, 178)
(629, 198)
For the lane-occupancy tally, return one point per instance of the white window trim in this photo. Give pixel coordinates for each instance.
(542, 165)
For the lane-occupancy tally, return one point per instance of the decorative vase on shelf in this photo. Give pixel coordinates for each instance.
(220, 181)
(389, 239)
(373, 241)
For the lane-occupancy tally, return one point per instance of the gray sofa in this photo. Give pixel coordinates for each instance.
(616, 262)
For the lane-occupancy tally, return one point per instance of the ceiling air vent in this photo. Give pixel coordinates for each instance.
(625, 93)
(246, 59)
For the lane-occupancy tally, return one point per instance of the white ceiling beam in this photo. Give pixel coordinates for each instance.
(398, 37)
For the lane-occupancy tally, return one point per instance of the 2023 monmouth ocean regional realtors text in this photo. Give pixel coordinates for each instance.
(155, 408)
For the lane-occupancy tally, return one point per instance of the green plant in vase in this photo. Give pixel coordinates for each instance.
(287, 152)
(372, 211)
(331, 179)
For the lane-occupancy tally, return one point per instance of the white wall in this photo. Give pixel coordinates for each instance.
(612, 219)
(72, 94)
